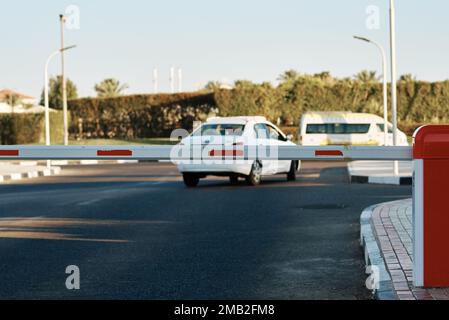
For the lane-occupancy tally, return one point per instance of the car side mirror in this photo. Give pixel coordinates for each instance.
(289, 137)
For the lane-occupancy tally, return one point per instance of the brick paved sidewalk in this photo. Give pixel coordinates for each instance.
(392, 228)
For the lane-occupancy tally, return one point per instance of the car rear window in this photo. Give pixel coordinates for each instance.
(337, 128)
(221, 130)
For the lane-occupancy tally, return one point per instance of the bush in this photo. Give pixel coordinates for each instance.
(56, 128)
(294, 131)
(138, 116)
(418, 102)
(19, 128)
(146, 116)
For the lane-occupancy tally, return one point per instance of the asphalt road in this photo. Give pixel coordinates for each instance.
(136, 232)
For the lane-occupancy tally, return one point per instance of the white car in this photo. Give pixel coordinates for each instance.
(236, 132)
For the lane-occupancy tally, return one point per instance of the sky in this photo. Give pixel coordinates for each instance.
(224, 41)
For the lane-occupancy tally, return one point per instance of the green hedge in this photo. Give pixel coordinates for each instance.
(146, 116)
(418, 102)
(138, 116)
(56, 128)
(21, 128)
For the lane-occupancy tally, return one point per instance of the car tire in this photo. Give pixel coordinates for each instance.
(291, 175)
(234, 180)
(255, 175)
(190, 180)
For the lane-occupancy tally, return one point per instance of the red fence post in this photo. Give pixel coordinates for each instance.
(431, 206)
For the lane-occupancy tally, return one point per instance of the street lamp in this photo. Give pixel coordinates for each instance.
(385, 86)
(62, 20)
(393, 79)
(46, 98)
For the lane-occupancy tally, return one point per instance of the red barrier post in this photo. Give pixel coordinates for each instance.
(431, 206)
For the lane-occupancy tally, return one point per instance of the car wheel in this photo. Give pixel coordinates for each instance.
(291, 175)
(234, 180)
(255, 175)
(190, 180)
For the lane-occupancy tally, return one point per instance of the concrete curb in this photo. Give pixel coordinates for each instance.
(400, 181)
(85, 162)
(90, 162)
(33, 173)
(374, 257)
(378, 179)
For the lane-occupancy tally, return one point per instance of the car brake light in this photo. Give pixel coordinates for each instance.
(226, 153)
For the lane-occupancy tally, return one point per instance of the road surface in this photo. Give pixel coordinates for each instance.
(136, 232)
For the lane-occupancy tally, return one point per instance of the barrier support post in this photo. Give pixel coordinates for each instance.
(431, 206)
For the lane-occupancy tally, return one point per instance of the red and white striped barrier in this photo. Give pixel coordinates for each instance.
(177, 153)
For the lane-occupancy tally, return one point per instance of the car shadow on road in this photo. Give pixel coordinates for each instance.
(325, 177)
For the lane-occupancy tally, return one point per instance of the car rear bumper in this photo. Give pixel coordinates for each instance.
(216, 168)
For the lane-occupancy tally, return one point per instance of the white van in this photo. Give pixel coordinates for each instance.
(346, 128)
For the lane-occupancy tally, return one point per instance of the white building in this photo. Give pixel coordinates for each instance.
(6, 108)
(26, 104)
(25, 99)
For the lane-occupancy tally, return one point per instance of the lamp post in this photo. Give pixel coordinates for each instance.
(385, 85)
(172, 79)
(393, 79)
(62, 20)
(180, 79)
(155, 81)
(46, 93)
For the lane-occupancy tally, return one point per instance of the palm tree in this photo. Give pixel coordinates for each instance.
(407, 78)
(213, 85)
(325, 77)
(367, 77)
(12, 100)
(289, 76)
(110, 88)
(244, 84)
